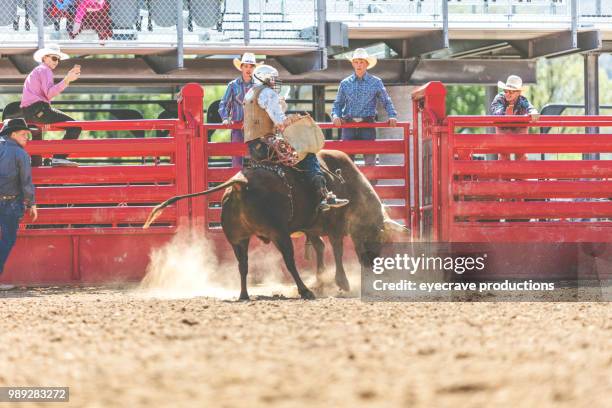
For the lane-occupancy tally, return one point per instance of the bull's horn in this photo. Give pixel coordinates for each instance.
(238, 178)
(391, 225)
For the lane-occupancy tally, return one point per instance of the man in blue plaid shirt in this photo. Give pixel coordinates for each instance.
(356, 101)
(511, 102)
(230, 108)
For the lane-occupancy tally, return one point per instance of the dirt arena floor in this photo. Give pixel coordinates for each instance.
(181, 339)
(117, 348)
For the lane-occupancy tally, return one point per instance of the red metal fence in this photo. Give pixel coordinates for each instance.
(488, 200)
(90, 217)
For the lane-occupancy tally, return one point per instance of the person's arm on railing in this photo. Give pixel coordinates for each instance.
(339, 104)
(225, 104)
(385, 100)
(498, 106)
(531, 110)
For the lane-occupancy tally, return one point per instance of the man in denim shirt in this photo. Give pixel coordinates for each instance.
(356, 101)
(511, 102)
(230, 108)
(16, 188)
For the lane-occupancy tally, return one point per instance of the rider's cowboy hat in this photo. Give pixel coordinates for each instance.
(12, 125)
(247, 58)
(51, 49)
(361, 53)
(513, 83)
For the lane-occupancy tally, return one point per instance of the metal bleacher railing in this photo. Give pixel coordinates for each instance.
(154, 22)
(158, 23)
(466, 11)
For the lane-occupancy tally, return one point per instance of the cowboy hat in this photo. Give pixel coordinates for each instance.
(247, 58)
(51, 49)
(12, 125)
(513, 83)
(361, 53)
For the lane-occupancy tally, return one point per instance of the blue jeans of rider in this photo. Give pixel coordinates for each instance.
(311, 167)
(11, 212)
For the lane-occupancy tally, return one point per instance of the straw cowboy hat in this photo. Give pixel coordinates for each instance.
(361, 53)
(247, 58)
(51, 49)
(513, 83)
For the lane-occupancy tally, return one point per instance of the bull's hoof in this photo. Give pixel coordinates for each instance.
(343, 283)
(307, 295)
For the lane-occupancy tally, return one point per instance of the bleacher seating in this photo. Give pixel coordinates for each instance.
(8, 13)
(125, 14)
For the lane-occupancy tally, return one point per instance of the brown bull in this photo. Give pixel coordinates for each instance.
(272, 202)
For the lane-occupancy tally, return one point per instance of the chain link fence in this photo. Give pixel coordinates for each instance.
(143, 23)
(269, 21)
(147, 22)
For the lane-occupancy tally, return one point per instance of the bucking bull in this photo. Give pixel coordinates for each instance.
(272, 202)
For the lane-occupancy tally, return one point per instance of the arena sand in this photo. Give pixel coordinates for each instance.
(181, 340)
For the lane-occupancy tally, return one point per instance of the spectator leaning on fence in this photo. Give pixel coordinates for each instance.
(39, 90)
(16, 188)
(356, 101)
(231, 107)
(511, 102)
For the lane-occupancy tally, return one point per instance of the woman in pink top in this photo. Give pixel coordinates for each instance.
(38, 91)
(93, 14)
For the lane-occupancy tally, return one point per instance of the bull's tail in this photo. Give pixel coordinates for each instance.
(157, 211)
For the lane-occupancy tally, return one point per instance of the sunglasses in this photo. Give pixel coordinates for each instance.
(508, 91)
(54, 58)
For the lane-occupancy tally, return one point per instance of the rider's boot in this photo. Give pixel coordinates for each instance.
(328, 198)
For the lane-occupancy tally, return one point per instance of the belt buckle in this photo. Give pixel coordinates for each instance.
(357, 120)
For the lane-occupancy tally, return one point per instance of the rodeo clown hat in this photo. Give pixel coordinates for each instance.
(513, 83)
(361, 53)
(51, 49)
(247, 58)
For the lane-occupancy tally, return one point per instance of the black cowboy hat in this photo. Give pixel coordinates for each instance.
(12, 125)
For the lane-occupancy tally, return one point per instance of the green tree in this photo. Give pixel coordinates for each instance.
(465, 100)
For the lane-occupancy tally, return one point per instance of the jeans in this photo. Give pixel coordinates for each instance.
(311, 167)
(11, 212)
(361, 134)
(41, 112)
(237, 137)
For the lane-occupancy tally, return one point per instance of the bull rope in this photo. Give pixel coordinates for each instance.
(276, 169)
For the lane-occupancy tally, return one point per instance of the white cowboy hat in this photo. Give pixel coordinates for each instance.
(361, 53)
(513, 83)
(51, 49)
(247, 58)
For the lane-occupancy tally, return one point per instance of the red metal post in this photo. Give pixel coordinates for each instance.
(429, 105)
(445, 146)
(407, 188)
(191, 115)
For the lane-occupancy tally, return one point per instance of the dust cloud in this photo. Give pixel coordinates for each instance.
(188, 267)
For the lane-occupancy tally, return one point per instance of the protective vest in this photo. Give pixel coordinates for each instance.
(257, 122)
